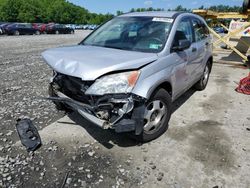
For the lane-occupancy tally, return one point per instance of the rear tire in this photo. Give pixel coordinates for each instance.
(157, 114)
(57, 32)
(202, 83)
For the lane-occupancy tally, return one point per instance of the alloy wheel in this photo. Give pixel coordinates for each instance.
(206, 75)
(153, 117)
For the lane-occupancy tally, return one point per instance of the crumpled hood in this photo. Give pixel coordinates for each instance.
(91, 62)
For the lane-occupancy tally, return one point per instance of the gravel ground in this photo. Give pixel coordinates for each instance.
(24, 77)
(207, 144)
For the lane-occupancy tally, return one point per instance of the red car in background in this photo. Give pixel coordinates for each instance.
(42, 27)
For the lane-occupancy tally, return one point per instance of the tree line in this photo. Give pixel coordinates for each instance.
(44, 11)
(62, 11)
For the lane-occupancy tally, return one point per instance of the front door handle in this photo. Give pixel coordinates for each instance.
(194, 49)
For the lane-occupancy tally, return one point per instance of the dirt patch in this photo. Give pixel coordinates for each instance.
(217, 104)
(209, 145)
(222, 80)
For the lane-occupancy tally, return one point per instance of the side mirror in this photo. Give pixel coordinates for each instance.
(183, 45)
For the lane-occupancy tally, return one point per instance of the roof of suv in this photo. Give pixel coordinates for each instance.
(168, 14)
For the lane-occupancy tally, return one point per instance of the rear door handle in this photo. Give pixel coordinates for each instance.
(194, 49)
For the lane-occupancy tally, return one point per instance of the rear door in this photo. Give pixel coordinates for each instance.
(202, 43)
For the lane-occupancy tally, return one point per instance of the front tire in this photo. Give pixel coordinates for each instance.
(202, 83)
(157, 114)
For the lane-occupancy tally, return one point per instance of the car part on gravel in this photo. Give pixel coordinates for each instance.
(28, 134)
(65, 179)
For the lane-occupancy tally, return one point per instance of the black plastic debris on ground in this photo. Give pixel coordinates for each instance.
(28, 134)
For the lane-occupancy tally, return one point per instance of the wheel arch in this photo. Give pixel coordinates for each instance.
(166, 85)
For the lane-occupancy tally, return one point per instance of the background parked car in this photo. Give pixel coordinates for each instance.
(72, 26)
(36, 25)
(59, 29)
(3, 27)
(21, 29)
(92, 27)
(44, 27)
(85, 27)
(78, 27)
(220, 30)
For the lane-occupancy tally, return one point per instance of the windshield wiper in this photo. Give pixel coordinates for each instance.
(90, 45)
(115, 47)
(105, 46)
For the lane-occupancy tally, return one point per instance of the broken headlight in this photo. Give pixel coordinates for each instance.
(114, 83)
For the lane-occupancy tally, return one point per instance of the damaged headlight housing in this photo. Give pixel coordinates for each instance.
(114, 83)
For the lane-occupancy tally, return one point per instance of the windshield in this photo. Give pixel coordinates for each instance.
(144, 34)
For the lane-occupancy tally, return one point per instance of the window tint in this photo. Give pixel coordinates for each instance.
(183, 32)
(200, 30)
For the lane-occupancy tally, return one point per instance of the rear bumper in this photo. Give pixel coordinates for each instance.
(129, 118)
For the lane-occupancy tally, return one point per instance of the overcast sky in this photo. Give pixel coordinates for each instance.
(111, 6)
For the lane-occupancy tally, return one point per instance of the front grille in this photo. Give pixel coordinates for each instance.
(73, 87)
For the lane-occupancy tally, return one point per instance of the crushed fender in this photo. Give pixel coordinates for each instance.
(28, 134)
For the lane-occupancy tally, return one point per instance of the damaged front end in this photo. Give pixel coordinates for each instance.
(121, 112)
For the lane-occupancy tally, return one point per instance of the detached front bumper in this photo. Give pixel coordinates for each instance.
(127, 118)
(83, 109)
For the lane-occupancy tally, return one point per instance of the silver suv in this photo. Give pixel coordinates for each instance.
(126, 74)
